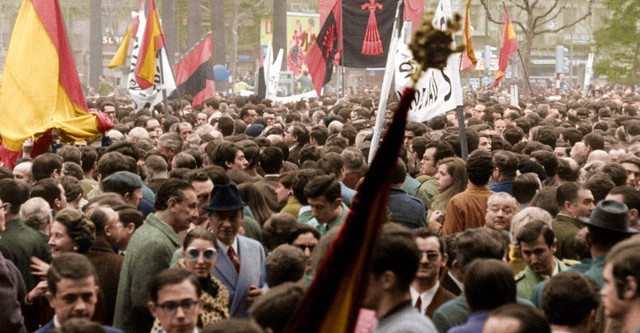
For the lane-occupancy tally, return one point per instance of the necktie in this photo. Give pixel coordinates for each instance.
(234, 258)
(419, 304)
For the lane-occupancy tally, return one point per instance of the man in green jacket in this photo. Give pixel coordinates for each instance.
(149, 252)
(538, 245)
(574, 201)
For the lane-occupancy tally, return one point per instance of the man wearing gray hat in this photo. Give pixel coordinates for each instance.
(241, 264)
(608, 225)
(125, 183)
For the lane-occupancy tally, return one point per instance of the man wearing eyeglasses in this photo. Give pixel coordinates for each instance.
(426, 292)
(175, 300)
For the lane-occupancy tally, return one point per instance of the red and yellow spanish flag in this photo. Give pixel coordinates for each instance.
(40, 87)
(332, 302)
(121, 55)
(468, 56)
(509, 46)
(152, 42)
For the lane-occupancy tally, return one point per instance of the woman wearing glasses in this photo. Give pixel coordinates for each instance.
(199, 255)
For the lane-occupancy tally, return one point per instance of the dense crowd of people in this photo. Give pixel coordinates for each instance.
(215, 217)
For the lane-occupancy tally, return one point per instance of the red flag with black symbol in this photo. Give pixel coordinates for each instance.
(366, 40)
(194, 73)
(326, 48)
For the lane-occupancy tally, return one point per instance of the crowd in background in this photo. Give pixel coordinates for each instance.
(202, 215)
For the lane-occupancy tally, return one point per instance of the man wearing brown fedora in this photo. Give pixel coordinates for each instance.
(241, 264)
(607, 225)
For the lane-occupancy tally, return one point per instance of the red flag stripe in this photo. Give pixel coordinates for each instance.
(200, 53)
(509, 45)
(50, 15)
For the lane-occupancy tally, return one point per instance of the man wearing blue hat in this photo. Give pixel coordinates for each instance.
(241, 264)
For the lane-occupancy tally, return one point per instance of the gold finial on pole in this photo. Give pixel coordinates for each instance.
(432, 47)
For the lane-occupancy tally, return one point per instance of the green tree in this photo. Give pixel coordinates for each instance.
(618, 42)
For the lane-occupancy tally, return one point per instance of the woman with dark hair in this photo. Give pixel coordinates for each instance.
(256, 202)
(284, 194)
(71, 231)
(199, 256)
(451, 179)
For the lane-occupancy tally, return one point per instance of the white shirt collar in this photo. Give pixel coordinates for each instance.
(303, 209)
(225, 248)
(427, 297)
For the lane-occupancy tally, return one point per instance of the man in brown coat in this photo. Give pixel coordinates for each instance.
(426, 292)
(104, 258)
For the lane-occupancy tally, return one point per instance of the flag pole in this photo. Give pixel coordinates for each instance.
(526, 75)
(164, 90)
(386, 84)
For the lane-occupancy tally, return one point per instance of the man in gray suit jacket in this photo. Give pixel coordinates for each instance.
(241, 264)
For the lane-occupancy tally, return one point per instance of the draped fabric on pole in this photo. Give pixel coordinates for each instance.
(468, 56)
(366, 41)
(194, 73)
(332, 302)
(413, 11)
(437, 91)
(41, 90)
(327, 48)
(150, 71)
(509, 46)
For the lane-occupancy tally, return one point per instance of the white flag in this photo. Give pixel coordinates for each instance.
(152, 95)
(437, 91)
(272, 72)
(588, 72)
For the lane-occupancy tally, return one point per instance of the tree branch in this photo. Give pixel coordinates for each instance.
(517, 5)
(522, 26)
(537, 18)
(554, 6)
(534, 4)
(569, 25)
(250, 10)
(489, 16)
(546, 20)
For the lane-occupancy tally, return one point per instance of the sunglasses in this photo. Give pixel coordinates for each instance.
(306, 246)
(431, 256)
(193, 254)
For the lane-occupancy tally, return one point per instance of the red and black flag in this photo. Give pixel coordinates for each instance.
(194, 73)
(339, 287)
(327, 48)
(366, 41)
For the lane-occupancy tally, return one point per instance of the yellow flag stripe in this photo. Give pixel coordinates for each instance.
(121, 55)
